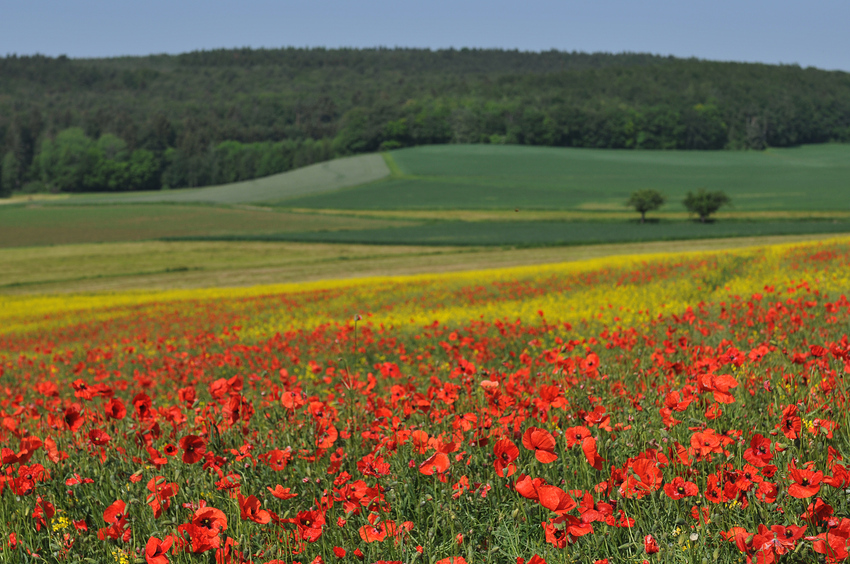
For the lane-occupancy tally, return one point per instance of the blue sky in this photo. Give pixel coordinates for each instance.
(812, 33)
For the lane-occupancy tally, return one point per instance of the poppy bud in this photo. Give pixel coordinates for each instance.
(650, 546)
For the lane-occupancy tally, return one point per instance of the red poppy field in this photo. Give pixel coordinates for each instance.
(679, 408)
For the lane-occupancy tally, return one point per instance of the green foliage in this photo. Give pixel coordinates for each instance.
(704, 203)
(645, 200)
(8, 175)
(143, 170)
(72, 162)
(182, 107)
(64, 162)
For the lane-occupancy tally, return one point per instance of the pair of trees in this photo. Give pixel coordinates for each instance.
(702, 202)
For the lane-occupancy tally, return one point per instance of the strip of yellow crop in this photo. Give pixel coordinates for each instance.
(604, 304)
(392, 300)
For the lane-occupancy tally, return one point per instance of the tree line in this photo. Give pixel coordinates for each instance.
(170, 121)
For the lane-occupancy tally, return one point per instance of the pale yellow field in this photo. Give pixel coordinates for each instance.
(169, 265)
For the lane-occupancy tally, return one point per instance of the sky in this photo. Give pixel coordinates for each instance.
(812, 33)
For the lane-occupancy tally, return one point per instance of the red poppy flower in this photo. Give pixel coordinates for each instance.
(705, 443)
(98, 437)
(209, 518)
(326, 437)
(777, 539)
(650, 545)
(281, 493)
(590, 364)
(73, 418)
(155, 550)
(292, 400)
(116, 518)
(309, 524)
(43, 511)
(161, 494)
(840, 478)
(679, 401)
(588, 445)
(370, 533)
(575, 435)
(679, 488)
(506, 452)
(115, 409)
(437, 463)
(759, 452)
(276, 459)
(565, 529)
(250, 510)
(834, 542)
(115, 512)
(719, 385)
(82, 390)
(143, 405)
(541, 442)
(528, 488)
(419, 439)
(645, 478)
(791, 424)
(767, 492)
(817, 512)
(76, 479)
(555, 535)
(187, 396)
(197, 539)
(193, 447)
(555, 499)
(806, 482)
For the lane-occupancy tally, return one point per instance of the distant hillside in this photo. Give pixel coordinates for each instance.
(213, 117)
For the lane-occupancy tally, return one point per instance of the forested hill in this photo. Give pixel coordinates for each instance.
(218, 116)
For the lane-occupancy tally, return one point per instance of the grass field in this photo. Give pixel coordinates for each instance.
(314, 179)
(44, 224)
(812, 177)
(537, 233)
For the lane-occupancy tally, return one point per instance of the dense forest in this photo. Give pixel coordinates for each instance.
(208, 117)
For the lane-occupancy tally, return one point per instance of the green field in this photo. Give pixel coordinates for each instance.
(541, 233)
(812, 177)
(314, 179)
(436, 207)
(46, 224)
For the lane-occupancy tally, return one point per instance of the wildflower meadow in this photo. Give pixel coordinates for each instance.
(681, 408)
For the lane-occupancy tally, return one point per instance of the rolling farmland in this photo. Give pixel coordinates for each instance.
(813, 177)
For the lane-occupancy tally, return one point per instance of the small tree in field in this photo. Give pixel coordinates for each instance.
(704, 203)
(645, 200)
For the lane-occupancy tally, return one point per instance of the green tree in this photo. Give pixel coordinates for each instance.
(8, 175)
(65, 161)
(144, 170)
(645, 200)
(704, 203)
